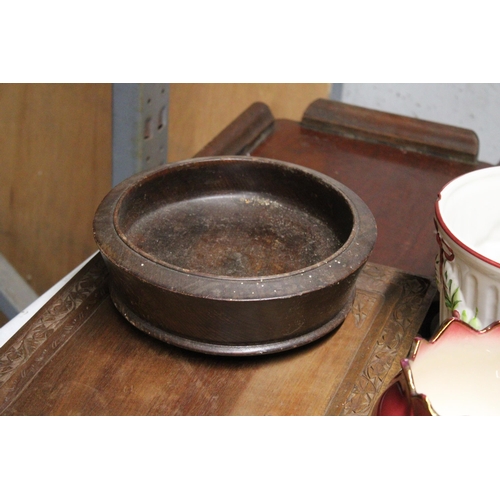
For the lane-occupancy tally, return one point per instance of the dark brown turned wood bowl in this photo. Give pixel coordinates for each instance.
(234, 255)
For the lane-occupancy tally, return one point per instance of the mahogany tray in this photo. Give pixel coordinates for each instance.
(79, 356)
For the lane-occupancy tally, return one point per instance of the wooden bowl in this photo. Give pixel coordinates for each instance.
(234, 255)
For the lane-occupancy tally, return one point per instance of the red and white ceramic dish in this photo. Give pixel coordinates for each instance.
(457, 372)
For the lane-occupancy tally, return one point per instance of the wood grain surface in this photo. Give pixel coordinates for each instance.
(412, 134)
(242, 133)
(55, 167)
(199, 111)
(78, 356)
(3, 319)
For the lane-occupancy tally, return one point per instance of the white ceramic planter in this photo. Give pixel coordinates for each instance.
(467, 219)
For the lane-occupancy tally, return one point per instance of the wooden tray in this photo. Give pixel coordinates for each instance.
(78, 356)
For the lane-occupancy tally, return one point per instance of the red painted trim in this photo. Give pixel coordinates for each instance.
(459, 242)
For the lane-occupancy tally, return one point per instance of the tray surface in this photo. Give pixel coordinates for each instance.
(80, 357)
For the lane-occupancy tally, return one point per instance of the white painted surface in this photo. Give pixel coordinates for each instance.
(10, 328)
(475, 106)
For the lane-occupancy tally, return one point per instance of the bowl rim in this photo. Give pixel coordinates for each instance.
(179, 165)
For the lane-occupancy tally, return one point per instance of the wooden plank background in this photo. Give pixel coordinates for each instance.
(55, 167)
(55, 159)
(198, 111)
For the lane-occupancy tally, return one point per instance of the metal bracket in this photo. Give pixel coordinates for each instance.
(140, 128)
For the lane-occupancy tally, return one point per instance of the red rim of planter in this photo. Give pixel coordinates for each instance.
(455, 239)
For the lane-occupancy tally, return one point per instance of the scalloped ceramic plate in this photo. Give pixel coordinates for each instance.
(457, 372)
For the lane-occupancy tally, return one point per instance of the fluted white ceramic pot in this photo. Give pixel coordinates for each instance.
(467, 220)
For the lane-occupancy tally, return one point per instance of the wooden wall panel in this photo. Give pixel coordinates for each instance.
(199, 111)
(55, 167)
(3, 319)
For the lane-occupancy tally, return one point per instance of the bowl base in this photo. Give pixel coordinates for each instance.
(232, 349)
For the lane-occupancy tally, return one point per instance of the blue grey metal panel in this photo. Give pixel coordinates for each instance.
(140, 128)
(336, 91)
(15, 293)
(126, 140)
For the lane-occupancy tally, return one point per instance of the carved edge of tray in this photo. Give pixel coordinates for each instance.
(389, 339)
(412, 134)
(407, 299)
(48, 331)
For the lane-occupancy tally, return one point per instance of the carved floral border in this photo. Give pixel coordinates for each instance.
(396, 336)
(49, 330)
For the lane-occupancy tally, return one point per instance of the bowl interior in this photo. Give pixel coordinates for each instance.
(235, 219)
